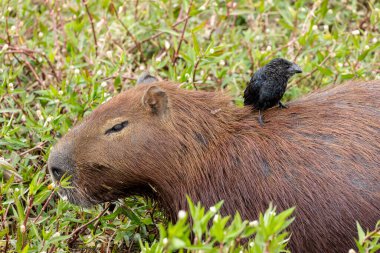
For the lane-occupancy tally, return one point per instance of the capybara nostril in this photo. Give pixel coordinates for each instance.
(60, 162)
(57, 173)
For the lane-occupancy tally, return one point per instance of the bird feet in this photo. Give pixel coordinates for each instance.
(261, 119)
(282, 106)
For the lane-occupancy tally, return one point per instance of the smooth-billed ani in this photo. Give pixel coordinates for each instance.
(268, 85)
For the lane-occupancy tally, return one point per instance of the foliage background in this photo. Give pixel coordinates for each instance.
(61, 59)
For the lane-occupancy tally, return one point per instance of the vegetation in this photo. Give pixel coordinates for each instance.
(265, 235)
(60, 59)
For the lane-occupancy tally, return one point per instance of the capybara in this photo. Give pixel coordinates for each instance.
(321, 155)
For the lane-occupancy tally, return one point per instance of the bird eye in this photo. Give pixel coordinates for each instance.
(117, 127)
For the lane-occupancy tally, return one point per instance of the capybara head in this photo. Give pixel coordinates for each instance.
(129, 144)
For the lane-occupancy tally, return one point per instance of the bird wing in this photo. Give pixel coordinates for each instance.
(252, 92)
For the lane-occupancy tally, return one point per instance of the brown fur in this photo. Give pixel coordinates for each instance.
(321, 155)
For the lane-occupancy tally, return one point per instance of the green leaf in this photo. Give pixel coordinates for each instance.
(285, 12)
(169, 31)
(177, 243)
(41, 196)
(131, 215)
(58, 238)
(325, 71)
(347, 76)
(4, 231)
(196, 44)
(361, 234)
(25, 249)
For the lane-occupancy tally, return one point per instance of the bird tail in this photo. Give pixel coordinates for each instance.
(248, 97)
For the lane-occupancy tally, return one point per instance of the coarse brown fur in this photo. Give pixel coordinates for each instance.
(321, 155)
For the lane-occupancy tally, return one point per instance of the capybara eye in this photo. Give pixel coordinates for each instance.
(117, 127)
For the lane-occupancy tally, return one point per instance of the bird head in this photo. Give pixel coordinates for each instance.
(283, 67)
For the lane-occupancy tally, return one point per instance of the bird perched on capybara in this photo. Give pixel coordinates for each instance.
(268, 85)
(321, 155)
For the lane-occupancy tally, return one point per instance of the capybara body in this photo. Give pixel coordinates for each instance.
(321, 155)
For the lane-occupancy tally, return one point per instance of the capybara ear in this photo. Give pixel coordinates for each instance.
(156, 100)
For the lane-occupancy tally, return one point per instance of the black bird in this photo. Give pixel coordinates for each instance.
(268, 85)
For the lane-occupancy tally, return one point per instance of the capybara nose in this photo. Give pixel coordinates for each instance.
(60, 162)
(57, 173)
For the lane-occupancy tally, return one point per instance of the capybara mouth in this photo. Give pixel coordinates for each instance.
(86, 196)
(77, 197)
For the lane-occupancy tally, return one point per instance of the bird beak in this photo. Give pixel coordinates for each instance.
(295, 68)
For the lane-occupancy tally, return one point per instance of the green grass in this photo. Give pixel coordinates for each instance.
(52, 73)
